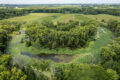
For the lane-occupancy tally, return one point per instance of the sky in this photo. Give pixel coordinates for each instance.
(57, 1)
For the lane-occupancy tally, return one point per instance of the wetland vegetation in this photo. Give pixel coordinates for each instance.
(52, 44)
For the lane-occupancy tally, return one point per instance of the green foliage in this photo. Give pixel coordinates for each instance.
(72, 35)
(110, 55)
(107, 53)
(114, 26)
(6, 28)
(17, 74)
(83, 72)
(82, 10)
(7, 13)
(61, 35)
(34, 73)
(28, 43)
(113, 74)
(9, 73)
(22, 40)
(42, 65)
(5, 59)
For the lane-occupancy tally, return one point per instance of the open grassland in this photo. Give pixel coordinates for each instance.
(100, 17)
(65, 18)
(30, 17)
(90, 53)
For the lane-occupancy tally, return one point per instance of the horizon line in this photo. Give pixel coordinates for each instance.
(55, 3)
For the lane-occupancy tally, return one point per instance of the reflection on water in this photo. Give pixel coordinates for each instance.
(22, 31)
(54, 57)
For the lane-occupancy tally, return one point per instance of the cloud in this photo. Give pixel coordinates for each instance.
(56, 1)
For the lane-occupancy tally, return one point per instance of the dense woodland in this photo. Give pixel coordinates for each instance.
(6, 28)
(79, 10)
(73, 35)
(9, 72)
(8, 13)
(50, 35)
(110, 55)
(84, 72)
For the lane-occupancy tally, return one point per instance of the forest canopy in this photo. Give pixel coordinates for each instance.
(69, 34)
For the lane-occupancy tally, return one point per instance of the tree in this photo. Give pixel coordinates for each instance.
(113, 74)
(83, 72)
(8, 73)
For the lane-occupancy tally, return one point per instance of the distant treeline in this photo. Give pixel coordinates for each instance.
(93, 11)
(7, 13)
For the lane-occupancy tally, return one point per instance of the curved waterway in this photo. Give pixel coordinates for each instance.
(103, 36)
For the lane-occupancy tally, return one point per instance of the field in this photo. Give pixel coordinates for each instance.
(103, 17)
(30, 17)
(82, 55)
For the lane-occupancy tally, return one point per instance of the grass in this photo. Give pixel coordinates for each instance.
(65, 18)
(100, 17)
(103, 36)
(29, 17)
(81, 17)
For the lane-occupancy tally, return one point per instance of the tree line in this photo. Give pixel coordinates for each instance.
(8, 13)
(110, 55)
(82, 10)
(6, 28)
(83, 72)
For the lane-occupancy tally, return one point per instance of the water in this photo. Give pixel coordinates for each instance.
(54, 57)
